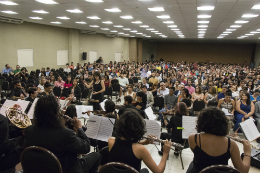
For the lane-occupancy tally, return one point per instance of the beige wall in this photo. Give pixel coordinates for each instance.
(46, 40)
(204, 52)
(149, 48)
(104, 46)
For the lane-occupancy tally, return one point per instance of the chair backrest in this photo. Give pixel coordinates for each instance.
(130, 81)
(5, 85)
(65, 92)
(116, 87)
(108, 91)
(117, 167)
(198, 105)
(11, 86)
(135, 79)
(154, 93)
(57, 91)
(37, 159)
(81, 85)
(220, 169)
(158, 102)
(105, 155)
(85, 93)
(114, 82)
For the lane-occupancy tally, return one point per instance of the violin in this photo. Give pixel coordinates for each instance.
(135, 103)
(96, 112)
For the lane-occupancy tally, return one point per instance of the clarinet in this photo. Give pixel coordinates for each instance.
(241, 141)
(176, 145)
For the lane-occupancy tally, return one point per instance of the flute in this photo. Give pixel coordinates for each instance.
(241, 141)
(176, 145)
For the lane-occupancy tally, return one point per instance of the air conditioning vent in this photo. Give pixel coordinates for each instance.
(10, 20)
(111, 35)
(87, 32)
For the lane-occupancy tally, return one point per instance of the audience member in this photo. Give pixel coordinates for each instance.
(47, 90)
(153, 79)
(162, 91)
(59, 83)
(197, 95)
(150, 100)
(17, 70)
(67, 68)
(7, 69)
(40, 87)
(255, 97)
(190, 88)
(222, 94)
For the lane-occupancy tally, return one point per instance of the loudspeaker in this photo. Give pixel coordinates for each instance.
(84, 56)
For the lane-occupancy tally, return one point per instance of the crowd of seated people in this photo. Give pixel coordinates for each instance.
(184, 88)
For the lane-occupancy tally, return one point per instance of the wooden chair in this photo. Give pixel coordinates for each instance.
(220, 169)
(37, 159)
(117, 167)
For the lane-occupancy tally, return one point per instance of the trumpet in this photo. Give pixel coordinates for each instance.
(241, 141)
(176, 145)
(17, 117)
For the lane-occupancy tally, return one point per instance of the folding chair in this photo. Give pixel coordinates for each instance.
(220, 169)
(117, 167)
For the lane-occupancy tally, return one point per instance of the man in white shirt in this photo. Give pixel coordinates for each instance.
(145, 83)
(158, 77)
(162, 91)
(150, 100)
(123, 82)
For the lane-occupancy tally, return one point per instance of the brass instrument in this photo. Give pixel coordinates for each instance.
(176, 145)
(241, 141)
(17, 117)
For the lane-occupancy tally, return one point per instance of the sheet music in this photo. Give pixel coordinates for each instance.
(83, 108)
(23, 104)
(105, 129)
(8, 103)
(102, 105)
(226, 111)
(31, 111)
(189, 125)
(149, 113)
(93, 126)
(153, 128)
(249, 129)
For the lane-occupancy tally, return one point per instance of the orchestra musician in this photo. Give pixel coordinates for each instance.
(32, 94)
(50, 132)
(128, 100)
(130, 129)
(47, 89)
(9, 148)
(212, 147)
(17, 92)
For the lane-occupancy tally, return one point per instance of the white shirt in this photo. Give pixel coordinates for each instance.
(149, 73)
(67, 70)
(164, 93)
(41, 87)
(123, 81)
(159, 78)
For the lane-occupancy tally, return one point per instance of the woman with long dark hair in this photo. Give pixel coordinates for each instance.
(97, 91)
(128, 148)
(68, 82)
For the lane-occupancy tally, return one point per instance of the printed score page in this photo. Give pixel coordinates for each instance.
(93, 126)
(189, 126)
(8, 103)
(249, 129)
(105, 129)
(153, 128)
(31, 111)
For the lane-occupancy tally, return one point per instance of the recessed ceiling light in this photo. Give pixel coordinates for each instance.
(93, 17)
(94, 0)
(235, 26)
(65, 18)
(113, 31)
(40, 11)
(201, 35)
(137, 22)
(156, 9)
(231, 29)
(81, 22)
(163, 17)
(47, 1)
(104, 28)
(158, 33)
(220, 37)
(206, 8)
(113, 10)
(120, 33)
(241, 21)
(118, 26)
(107, 22)
(94, 26)
(202, 26)
(161, 35)
(74, 11)
(36, 18)
(168, 22)
(56, 22)
(132, 36)
(154, 31)
(227, 32)
(139, 33)
(150, 29)
(203, 21)
(249, 34)
(126, 34)
(223, 34)
(8, 3)
(144, 26)
(148, 36)
(181, 35)
(240, 37)
(202, 29)
(254, 32)
(172, 26)
(126, 17)
(250, 15)
(175, 29)
(243, 36)
(201, 32)
(204, 16)
(126, 29)
(9, 12)
(256, 7)
(133, 31)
